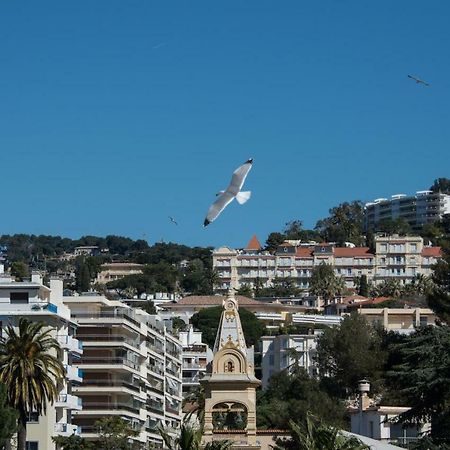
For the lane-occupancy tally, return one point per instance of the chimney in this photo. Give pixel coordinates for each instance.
(56, 286)
(364, 388)
(36, 277)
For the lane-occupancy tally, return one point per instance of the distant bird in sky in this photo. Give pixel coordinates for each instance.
(232, 191)
(418, 80)
(173, 220)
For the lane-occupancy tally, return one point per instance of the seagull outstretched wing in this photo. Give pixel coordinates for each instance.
(233, 190)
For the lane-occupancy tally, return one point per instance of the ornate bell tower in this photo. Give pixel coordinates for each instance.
(230, 384)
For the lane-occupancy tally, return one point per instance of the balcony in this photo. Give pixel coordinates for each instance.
(67, 429)
(105, 384)
(73, 373)
(112, 361)
(70, 343)
(111, 406)
(106, 317)
(68, 401)
(110, 339)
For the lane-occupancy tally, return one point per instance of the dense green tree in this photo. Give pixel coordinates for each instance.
(315, 435)
(439, 297)
(325, 283)
(73, 442)
(294, 230)
(19, 270)
(29, 371)
(394, 226)
(441, 185)
(349, 353)
(290, 394)
(274, 240)
(207, 321)
(344, 224)
(8, 418)
(199, 279)
(82, 277)
(421, 375)
(114, 433)
(281, 287)
(363, 286)
(246, 290)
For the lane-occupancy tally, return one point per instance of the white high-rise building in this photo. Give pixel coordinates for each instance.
(131, 368)
(35, 301)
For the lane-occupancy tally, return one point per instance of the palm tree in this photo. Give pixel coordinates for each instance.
(28, 370)
(317, 436)
(190, 438)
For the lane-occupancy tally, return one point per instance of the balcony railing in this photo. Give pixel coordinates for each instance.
(109, 338)
(67, 429)
(112, 383)
(92, 360)
(69, 401)
(73, 373)
(70, 343)
(89, 406)
(105, 315)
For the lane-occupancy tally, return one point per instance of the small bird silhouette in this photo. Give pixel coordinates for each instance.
(173, 220)
(418, 80)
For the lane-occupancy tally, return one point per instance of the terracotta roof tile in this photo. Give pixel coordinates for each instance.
(253, 244)
(357, 251)
(305, 252)
(432, 251)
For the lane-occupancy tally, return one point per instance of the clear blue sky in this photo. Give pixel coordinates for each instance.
(115, 114)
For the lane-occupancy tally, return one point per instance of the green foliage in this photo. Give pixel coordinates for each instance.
(82, 277)
(349, 353)
(200, 278)
(344, 224)
(439, 297)
(19, 270)
(441, 185)
(73, 442)
(363, 286)
(420, 373)
(207, 321)
(28, 370)
(293, 393)
(190, 438)
(281, 287)
(8, 418)
(245, 290)
(325, 283)
(294, 230)
(398, 226)
(314, 435)
(114, 433)
(274, 240)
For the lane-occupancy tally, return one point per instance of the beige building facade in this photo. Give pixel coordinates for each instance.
(400, 258)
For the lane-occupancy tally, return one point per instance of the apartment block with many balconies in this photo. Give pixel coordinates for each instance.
(131, 368)
(37, 302)
(418, 210)
(401, 258)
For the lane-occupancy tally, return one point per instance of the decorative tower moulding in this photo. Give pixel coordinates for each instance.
(230, 384)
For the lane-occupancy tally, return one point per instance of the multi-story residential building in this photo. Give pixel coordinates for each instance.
(405, 257)
(196, 356)
(400, 320)
(35, 301)
(131, 368)
(277, 354)
(117, 270)
(417, 210)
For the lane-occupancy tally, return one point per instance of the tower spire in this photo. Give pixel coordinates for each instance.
(230, 331)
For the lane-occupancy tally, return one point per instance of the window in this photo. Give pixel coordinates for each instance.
(18, 297)
(32, 445)
(423, 321)
(413, 248)
(271, 360)
(349, 271)
(33, 417)
(383, 247)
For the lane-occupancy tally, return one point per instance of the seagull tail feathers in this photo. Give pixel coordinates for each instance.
(243, 197)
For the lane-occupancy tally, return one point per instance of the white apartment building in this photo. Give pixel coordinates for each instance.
(131, 368)
(396, 257)
(276, 354)
(36, 302)
(417, 210)
(196, 356)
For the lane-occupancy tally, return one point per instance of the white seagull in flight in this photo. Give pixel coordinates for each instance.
(233, 191)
